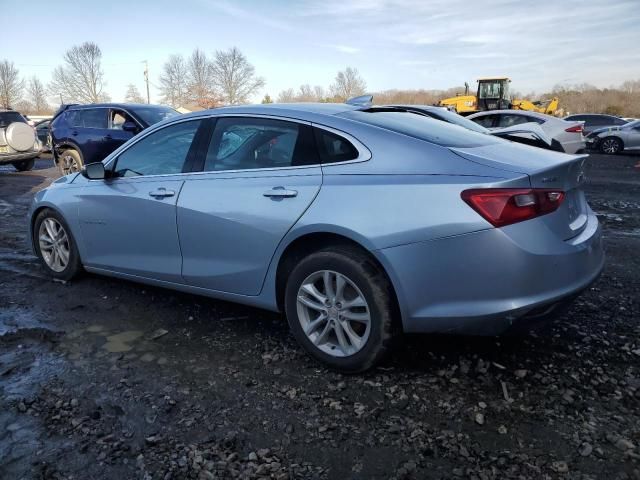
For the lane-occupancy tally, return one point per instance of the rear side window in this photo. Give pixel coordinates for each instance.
(89, 118)
(508, 120)
(421, 127)
(487, 121)
(249, 143)
(333, 148)
(7, 118)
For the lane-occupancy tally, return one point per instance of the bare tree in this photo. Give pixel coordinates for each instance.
(287, 96)
(201, 84)
(348, 84)
(267, 99)
(81, 78)
(38, 96)
(318, 91)
(306, 94)
(235, 77)
(133, 95)
(174, 82)
(11, 85)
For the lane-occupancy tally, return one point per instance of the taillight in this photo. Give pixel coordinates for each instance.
(504, 206)
(575, 129)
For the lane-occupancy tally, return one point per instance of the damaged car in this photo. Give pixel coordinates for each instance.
(358, 224)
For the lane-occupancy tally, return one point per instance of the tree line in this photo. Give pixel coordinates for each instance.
(226, 77)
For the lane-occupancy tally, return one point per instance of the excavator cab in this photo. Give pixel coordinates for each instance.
(493, 94)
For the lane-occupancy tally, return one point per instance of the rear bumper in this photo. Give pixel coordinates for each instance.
(17, 157)
(574, 147)
(481, 283)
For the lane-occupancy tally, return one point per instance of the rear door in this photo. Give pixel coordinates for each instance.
(258, 177)
(88, 128)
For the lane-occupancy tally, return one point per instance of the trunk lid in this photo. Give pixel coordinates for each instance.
(546, 169)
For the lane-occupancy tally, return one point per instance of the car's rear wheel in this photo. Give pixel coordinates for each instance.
(611, 145)
(24, 165)
(339, 305)
(55, 245)
(69, 161)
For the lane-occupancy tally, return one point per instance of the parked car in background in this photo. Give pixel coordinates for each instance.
(593, 121)
(42, 131)
(82, 134)
(567, 135)
(616, 139)
(19, 145)
(357, 223)
(526, 133)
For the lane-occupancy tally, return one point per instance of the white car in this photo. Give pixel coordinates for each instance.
(567, 135)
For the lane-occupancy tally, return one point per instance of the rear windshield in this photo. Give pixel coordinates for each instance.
(151, 115)
(422, 127)
(7, 118)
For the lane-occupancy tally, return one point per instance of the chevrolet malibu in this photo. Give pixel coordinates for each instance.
(359, 223)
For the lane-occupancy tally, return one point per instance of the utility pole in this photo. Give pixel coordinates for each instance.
(146, 79)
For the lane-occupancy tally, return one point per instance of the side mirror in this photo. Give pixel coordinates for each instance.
(130, 127)
(94, 171)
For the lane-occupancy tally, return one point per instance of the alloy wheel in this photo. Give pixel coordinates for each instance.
(610, 146)
(333, 313)
(54, 244)
(69, 164)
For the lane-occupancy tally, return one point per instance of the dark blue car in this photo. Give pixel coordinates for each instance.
(82, 134)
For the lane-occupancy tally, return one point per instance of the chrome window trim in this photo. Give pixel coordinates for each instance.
(364, 154)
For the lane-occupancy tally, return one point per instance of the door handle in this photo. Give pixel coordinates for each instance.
(74, 133)
(108, 137)
(162, 193)
(280, 192)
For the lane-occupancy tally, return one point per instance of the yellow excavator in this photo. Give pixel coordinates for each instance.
(493, 94)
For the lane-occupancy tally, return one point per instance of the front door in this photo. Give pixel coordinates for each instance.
(260, 175)
(116, 136)
(128, 221)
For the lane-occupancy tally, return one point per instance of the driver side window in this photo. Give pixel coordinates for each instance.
(164, 152)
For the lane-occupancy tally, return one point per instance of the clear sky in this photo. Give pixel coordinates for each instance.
(405, 44)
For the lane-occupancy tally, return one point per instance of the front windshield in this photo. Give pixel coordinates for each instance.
(494, 89)
(151, 115)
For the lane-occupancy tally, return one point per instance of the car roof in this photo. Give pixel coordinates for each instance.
(592, 115)
(525, 113)
(113, 105)
(302, 111)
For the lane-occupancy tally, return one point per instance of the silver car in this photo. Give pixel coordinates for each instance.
(357, 223)
(616, 139)
(567, 135)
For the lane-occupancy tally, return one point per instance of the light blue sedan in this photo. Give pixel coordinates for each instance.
(359, 223)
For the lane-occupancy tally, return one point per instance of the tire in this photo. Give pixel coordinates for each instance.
(63, 270)
(69, 161)
(368, 281)
(611, 145)
(25, 165)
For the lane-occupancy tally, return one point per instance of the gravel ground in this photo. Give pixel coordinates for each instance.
(102, 378)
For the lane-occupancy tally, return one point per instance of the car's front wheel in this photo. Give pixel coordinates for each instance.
(24, 165)
(339, 305)
(55, 245)
(611, 145)
(69, 161)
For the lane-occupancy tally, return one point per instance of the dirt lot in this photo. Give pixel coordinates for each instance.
(103, 378)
